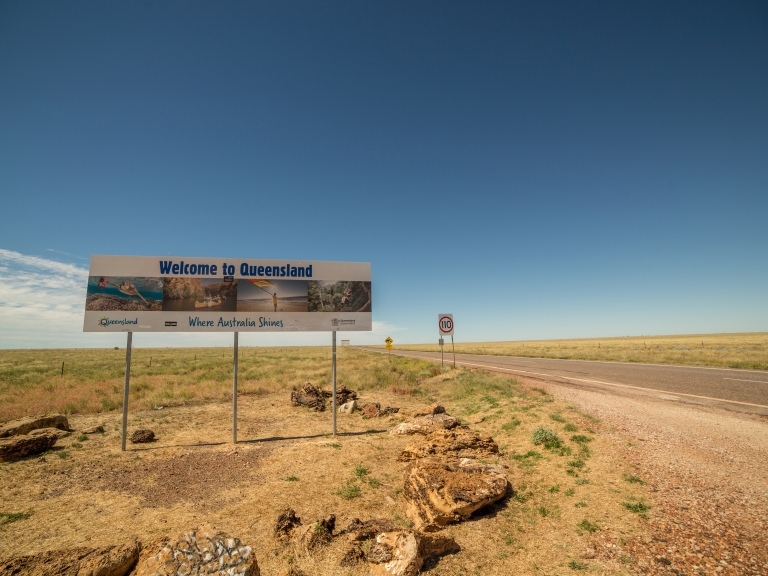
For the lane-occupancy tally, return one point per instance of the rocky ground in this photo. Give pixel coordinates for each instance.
(515, 507)
(707, 473)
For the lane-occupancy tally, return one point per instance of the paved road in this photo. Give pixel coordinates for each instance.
(741, 390)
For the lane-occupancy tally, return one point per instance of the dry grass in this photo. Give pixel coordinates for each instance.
(97, 495)
(749, 350)
(31, 381)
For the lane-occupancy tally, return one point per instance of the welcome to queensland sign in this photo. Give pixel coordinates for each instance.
(168, 294)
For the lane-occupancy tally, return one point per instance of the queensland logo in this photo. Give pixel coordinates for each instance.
(341, 322)
(104, 322)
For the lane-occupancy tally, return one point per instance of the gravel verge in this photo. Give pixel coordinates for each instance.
(707, 473)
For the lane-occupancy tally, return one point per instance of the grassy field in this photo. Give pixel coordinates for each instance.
(748, 350)
(567, 493)
(31, 380)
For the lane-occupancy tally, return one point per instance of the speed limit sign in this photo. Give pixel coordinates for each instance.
(445, 324)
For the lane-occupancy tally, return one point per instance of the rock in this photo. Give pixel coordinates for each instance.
(367, 530)
(374, 410)
(344, 395)
(17, 447)
(426, 424)
(202, 550)
(352, 557)
(403, 552)
(348, 407)
(143, 437)
(440, 492)
(430, 410)
(329, 524)
(93, 430)
(318, 534)
(287, 522)
(456, 443)
(105, 561)
(371, 410)
(40, 431)
(26, 425)
(308, 396)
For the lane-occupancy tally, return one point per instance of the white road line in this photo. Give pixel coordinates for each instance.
(741, 380)
(600, 382)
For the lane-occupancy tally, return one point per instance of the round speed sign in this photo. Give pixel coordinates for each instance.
(445, 324)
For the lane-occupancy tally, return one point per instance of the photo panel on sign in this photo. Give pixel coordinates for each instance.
(262, 295)
(339, 296)
(113, 293)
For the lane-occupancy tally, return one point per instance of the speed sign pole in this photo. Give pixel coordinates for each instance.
(445, 328)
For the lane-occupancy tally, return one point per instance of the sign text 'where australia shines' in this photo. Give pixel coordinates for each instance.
(175, 294)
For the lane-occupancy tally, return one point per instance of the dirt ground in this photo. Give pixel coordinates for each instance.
(708, 474)
(565, 513)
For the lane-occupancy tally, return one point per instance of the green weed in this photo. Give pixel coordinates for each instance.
(637, 507)
(588, 526)
(349, 491)
(580, 438)
(632, 479)
(8, 517)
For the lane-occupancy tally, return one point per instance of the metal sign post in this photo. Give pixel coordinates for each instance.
(234, 395)
(125, 389)
(445, 328)
(333, 374)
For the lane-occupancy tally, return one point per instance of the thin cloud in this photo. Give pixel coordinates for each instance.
(66, 254)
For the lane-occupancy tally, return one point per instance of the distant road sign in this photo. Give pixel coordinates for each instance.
(389, 340)
(445, 324)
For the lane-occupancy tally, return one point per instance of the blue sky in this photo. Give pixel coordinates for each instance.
(540, 170)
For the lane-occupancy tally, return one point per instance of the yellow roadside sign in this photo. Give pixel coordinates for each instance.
(389, 346)
(389, 340)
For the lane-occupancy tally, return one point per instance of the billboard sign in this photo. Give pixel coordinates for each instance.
(170, 294)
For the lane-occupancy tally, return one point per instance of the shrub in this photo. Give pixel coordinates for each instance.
(545, 436)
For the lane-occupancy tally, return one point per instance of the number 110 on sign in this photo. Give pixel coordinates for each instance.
(445, 324)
